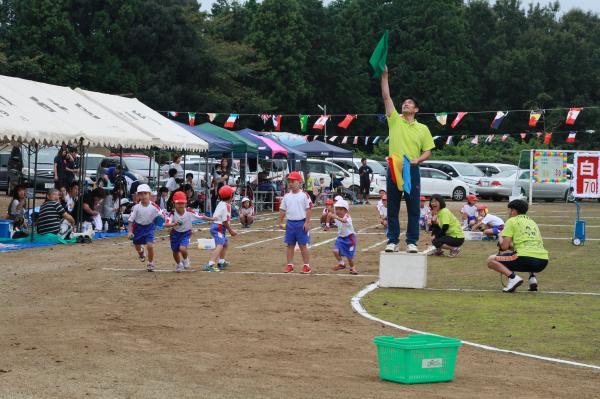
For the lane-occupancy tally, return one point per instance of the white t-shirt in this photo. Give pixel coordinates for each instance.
(492, 220)
(345, 228)
(145, 215)
(425, 211)
(171, 184)
(70, 203)
(383, 211)
(379, 205)
(222, 213)
(179, 169)
(326, 212)
(186, 219)
(469, 210)
(247, 211)
(295, 205)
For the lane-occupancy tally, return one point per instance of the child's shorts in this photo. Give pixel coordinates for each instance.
(218, 232)
(295, 234)
(143, 233)
(346, 246)
(179, 239)
(516, 263)
(498, 229)
(471, 219)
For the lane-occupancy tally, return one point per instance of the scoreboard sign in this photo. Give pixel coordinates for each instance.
(587, 172)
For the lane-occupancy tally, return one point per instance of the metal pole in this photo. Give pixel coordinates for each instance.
(184, 166)
(34, 184)
(207, 201)
(325, 113)
(531, 177)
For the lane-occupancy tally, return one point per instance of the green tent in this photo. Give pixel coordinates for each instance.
(240, 145)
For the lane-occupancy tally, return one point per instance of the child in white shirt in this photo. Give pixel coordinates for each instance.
(345, 244)
(246, 212)
(382, 210)
(218, 229)
(491, 225)
(469, 212)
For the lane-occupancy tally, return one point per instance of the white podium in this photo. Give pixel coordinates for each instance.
(402, 270)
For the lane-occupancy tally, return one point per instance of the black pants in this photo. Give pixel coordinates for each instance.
(451, 241)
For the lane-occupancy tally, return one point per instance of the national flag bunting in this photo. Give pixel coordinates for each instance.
(332, 139)
(174, 114)
(387, 139)
(355, 142)
(523, 135)
(265, 118)
(489, 138)
(449, 140)
(475, 140)
(316, 136)
(320, 123)
(572, 115)
(504, 137)
(211, 116)
(345, 140)
(376, 140)
(534, 117)
(539, 134)
(571, 137)
(303, 123)
(497, 121)
(277, 122)
(458, 118)
(231, 120)
(547, 138)
(192, 118)
(367, 140)
(347, 121)
(442, 118)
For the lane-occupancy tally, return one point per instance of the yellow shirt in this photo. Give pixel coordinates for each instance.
(444, 216)
(410, 139)
(526, 237)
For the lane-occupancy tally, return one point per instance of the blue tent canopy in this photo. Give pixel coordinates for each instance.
(317, 148)
(216, 146)
(263, 150)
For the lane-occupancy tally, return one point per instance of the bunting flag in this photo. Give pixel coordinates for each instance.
(305, 137)
(355, 142)
(442, 118)
(475, 140)
(539, 134)
(192, 118)
(303, 123)
(345, 140)
(572, 115)
(367, 140)
(489, 138)
(332, 139)
(387, 139)
(571, 138)
(265, 118)
(231, 120)
(463, 137)
(316, 136)
(435, 138)
(174, 114)
(534, 117)
(497, 121)
(277, 122)
(376, 139)
(211, 117)
(449, 140)
(547, 138)
(458, 118)
(347, 121)
(504, 137)
(381, 118)
(523, 135)
(320, 123)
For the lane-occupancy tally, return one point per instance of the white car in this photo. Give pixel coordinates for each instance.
(434, 181)
(323, 169)
(466, 172)
(351, 165)
(492, 169)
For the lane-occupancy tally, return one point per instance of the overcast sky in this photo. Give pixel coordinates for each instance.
(586, 5)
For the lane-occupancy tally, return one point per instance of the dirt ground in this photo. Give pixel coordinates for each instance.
(72, 329)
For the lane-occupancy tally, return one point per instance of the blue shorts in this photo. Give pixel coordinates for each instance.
(497, 229)
(471, 219)
(143, 233)
(218, 231)
(295, 234)
(346, 246)
(179, 239)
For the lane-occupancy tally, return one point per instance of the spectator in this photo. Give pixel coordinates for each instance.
(60, 164)
(172, 182)
(310, 185)
(89, 208)
(18, 205)
(110, 208)
(382, 210)
(176, 164)
(62, 196)
(71, 166)
(189, 179)
(163, 193)
(192, 198)
(366, 178)
(219, 179)
(71, 197)
(52, 215)
(15, 168)
(445, 228)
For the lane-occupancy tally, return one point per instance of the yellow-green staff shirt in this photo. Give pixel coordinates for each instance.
(526, 237)
(455, 230)
(410, 139)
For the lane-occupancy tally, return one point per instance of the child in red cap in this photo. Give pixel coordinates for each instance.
(469, 212)
(296, 206)
(425, 214)
(180, 222)
(221, 224)
(327, 214)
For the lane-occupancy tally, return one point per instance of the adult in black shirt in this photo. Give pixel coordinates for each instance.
(219, 179)
(71, 166)
(60, 168)
(366, 177)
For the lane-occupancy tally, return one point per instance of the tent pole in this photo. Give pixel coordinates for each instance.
(150, 168)
(29, 182)
(184, 166)
(207, 201)
(34, 184)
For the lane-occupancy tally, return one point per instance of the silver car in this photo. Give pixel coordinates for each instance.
(546, 191)
(498, 186)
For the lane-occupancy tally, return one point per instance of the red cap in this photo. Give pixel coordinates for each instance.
(329, 202)
(226, 192)
(481, 207)
(179, 196)
(471, 197)
(294, 176)
(423, 198)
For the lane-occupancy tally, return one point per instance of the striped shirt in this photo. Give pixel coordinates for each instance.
(50, 217)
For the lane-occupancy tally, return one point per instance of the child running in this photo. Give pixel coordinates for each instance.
(327, 214)
(246, 212)
(180, 222)
(445, 229)
(221, 224)
(469, 212)
(345, 244)
(141, 225)
(491, 225)
(296, 206)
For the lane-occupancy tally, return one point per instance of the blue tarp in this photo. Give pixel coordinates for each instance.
(317, 148)
(216, 146)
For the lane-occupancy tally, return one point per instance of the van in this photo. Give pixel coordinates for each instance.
(351, 165)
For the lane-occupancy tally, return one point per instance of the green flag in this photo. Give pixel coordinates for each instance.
(303, 122)
(379, 56)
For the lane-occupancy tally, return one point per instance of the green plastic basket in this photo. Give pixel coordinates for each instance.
(417, 359)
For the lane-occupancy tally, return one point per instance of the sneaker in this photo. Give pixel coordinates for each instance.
(288, 269)
(454, 252)
(353, 271)
(338, 267)
(533, 283)
(211, 268)
(142, 256)
(431, 250)
(306, 269)
(150, 267)
(179, 268)
(513, 283)
(412, 249)
(391, 247)
(223, 265)
(186, 263)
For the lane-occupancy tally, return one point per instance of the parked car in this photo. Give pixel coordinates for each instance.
(4, 157)
(459, 170)
(546, 191)
(491, 169)
(351, 165)
(319, 168)
(498, 186)
(435, 181)
(92, 161)
(138, 165)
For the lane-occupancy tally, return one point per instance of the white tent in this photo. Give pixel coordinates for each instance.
(47, 114)
(148, 121)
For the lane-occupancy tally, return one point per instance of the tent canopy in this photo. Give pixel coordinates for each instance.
(289, 139)
(267, 148)
(319, 149)
(164, 132)
(51, 115)
(216, 146)
(239, 144)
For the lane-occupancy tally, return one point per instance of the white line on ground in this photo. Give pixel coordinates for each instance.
(318, 244)
(267, 240)
(374, 245)
(569, 238)
(246, 273)
(520, 292)
(564, 225)
(357, 306)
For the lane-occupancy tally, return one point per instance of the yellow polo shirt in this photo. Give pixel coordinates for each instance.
(410, 139)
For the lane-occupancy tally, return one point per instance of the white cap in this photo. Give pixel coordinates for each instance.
(245, 199)
(124, 201)
(338, 198)
(342, 203)
(143, 188)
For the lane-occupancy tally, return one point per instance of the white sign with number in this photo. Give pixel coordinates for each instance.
(586, 179)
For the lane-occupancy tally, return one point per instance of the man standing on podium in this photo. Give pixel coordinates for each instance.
(410, 142)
